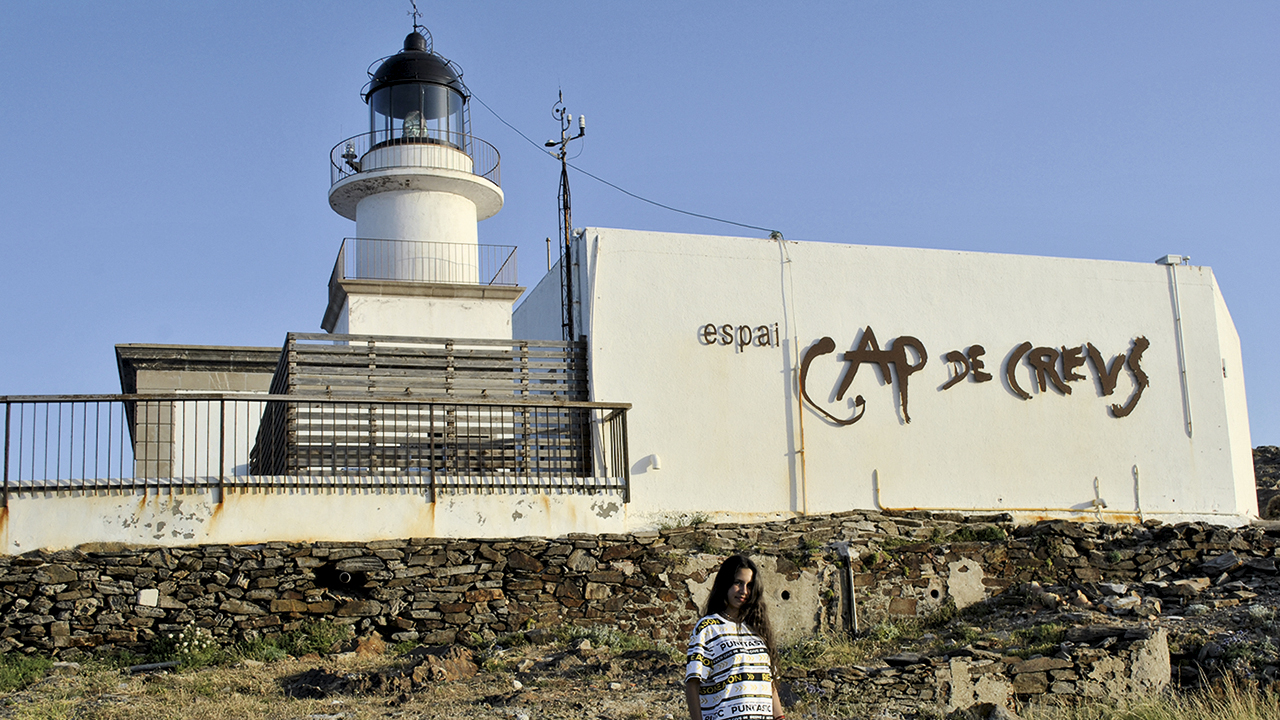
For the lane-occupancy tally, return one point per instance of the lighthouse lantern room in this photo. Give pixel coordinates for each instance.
(417, 184)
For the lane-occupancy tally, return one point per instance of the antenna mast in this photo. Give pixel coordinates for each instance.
(567, 263)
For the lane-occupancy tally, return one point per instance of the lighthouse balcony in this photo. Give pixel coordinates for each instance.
(405, 148)
(407, 267)
(432, 262)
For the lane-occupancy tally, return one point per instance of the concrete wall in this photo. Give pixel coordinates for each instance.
(379, 314)
(538, 317)
(718, 424)
(54, 521)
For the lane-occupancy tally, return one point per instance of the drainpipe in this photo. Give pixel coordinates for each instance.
(842, 548)
(1173, 261)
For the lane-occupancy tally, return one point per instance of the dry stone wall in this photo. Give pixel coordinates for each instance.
(1108, 663)
(437, 591)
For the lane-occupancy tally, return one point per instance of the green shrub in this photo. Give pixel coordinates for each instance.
(980, 533)
(191, 647)
(614, 639)
(17, 671)
(319, 637)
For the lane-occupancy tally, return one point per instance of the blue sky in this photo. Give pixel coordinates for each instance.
(166, 163)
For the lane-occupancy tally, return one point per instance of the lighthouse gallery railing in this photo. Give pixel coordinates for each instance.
(436, 149)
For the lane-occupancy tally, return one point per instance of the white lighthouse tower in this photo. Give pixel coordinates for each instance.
(417, 184)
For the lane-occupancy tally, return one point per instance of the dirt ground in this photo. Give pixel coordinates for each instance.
(591, 683)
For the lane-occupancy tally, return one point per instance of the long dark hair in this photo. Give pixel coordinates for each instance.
(753, 613)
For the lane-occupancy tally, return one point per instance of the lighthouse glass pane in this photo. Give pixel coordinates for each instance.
(416, 111)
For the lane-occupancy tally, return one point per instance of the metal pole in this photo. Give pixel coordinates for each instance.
(7, 408)
(1182, 352)
(222, 445)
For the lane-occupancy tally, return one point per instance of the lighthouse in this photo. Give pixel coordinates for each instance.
(416, 185)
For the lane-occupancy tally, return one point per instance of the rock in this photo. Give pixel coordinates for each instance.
(1221, 564)
(239, 607)
(1190, 587)
(370, 646)
(441, 664)
(1078, 599)
(54, 575)
(1032, 683)
(1148, 608)
(539, 636)
(523, 561)
(1210, 650)
(1113, 588)
(1121, 605)
(1262, 565)
(580, 561)
(360, 608)
(288, 606)
(148, 598)
(1093, 633)
(1040, 664)
(904, 659)
(360, 564)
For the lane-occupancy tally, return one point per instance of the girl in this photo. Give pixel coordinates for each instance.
(729, 674)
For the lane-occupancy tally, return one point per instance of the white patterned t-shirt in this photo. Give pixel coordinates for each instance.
(731, 665)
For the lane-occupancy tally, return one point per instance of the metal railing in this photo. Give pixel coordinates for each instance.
(361, 367)
(105, 443)
(415, 261)
(438, 149)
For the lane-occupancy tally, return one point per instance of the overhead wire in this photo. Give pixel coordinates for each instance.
(772, 232)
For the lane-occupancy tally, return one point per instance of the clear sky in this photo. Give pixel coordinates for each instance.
(166, 163)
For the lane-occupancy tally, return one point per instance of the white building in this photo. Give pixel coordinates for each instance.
(772, 377)
(734, 378)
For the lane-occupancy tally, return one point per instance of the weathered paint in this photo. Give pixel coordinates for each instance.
(723, 418)
(189, 518)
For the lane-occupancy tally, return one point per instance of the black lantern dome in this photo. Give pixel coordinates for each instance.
(417, 95)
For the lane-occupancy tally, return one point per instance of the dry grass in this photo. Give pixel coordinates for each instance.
(1225, 702)
(225, 693)
(250, 690)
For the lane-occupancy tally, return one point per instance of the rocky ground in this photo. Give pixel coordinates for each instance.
(1266, 468)
(1224, 622)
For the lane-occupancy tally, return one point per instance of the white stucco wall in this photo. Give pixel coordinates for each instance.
(417, 316)
(417, 215)
(64, 520)
(538, 317)
(727, 430)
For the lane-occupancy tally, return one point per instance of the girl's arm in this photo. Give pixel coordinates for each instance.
(778, 712)
(692, 699)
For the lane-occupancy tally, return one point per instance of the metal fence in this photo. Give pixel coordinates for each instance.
(416, 261)
(92, 443)
(437, 149)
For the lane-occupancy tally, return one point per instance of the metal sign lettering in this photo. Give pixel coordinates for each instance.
(904, 356)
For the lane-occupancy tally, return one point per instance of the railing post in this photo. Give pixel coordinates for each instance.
(7, 408)
(626, 461)
(222, 446)
(431, 458)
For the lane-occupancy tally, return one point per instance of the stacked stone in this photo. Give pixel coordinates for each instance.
(434, 590)
(1097, 663)
(430, 590)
